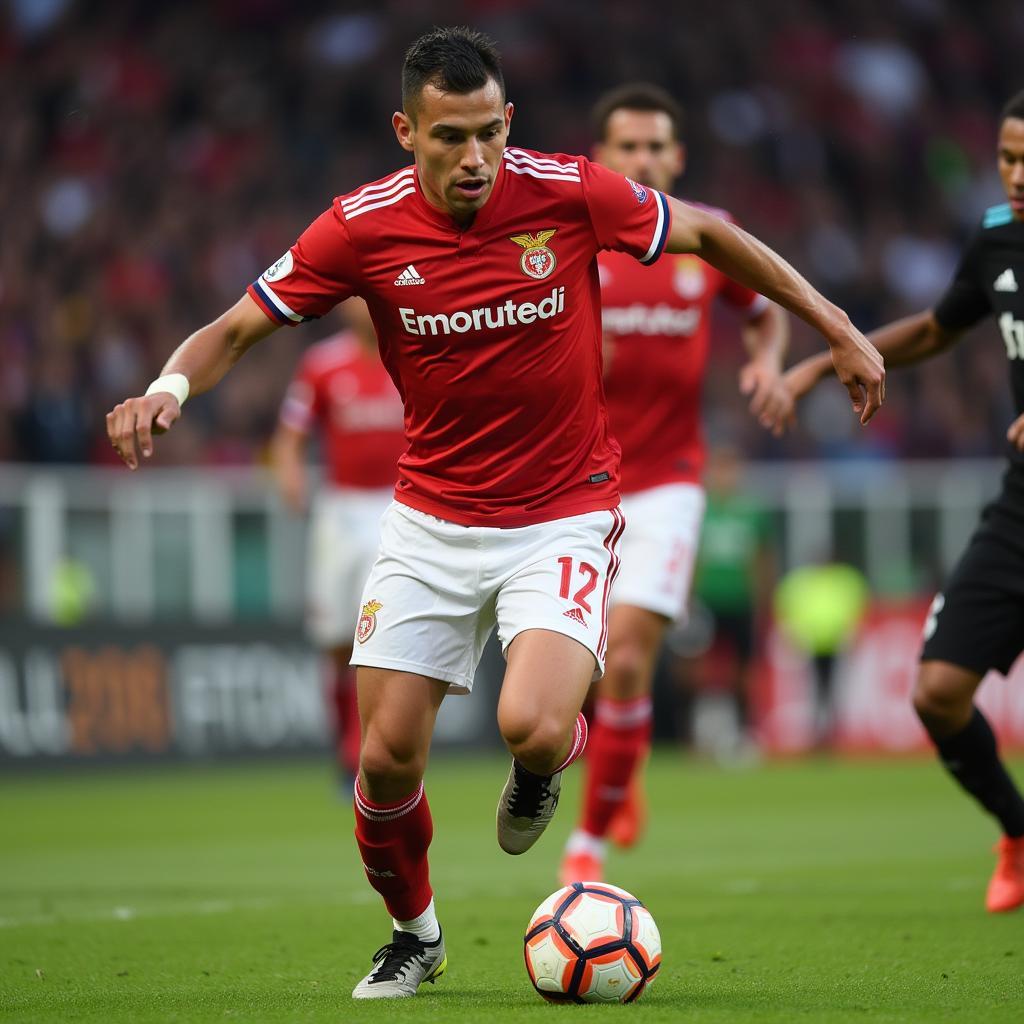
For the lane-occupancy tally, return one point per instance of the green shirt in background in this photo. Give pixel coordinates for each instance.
(820, 606)
(735, 529)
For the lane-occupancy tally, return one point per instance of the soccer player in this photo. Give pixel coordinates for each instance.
(478, 264)
(657, 322)
(342, 393)
(733, 580)
(977, 622)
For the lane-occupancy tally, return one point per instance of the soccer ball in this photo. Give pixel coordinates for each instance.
(592, 943)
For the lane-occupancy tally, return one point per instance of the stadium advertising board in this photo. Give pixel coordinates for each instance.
(874, 681)
(106, 692)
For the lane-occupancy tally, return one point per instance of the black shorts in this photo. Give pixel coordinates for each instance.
(977, 621)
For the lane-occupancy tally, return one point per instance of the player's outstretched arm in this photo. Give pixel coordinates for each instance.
(202, 359)
(766, 338)
(901, 343)
(288, 460)
(745, 259)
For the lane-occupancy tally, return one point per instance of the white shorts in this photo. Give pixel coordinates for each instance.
(659, 548)
(344, 538)
(438, 589)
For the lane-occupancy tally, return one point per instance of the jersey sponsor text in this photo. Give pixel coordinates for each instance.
(643, 319)
(483, 317)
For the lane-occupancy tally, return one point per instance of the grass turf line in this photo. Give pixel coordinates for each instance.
(814, 890)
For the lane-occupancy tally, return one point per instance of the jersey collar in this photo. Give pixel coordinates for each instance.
(445, 221)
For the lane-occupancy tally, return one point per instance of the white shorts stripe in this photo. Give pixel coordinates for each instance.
(611, 545)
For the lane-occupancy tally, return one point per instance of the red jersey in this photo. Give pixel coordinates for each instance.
(348, 395)
(491, 332)
(659, 321)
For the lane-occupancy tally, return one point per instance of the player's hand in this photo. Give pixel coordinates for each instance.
(861, 370)
(1015, 435)
(802, 377)
(136, 420)
(770, 402)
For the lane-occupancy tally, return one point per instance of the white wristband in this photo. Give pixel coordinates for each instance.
(173, 383)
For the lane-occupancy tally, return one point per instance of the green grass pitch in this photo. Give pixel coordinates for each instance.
(808, 890)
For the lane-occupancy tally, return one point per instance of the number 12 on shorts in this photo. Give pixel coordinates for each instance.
(586, 570)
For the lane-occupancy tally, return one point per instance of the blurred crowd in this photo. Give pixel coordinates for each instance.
(157, 156)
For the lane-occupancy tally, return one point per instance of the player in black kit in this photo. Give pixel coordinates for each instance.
(977, 623)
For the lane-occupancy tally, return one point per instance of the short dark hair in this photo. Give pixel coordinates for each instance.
(1014, 107)
(454, 59)
(635, 96)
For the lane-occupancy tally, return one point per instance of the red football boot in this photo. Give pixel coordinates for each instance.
(1006, 889)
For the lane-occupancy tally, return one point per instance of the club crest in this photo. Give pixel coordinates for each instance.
(688, 278)
(368, 620)
(537, 260)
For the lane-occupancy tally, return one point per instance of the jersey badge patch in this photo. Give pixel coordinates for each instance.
(368, 620)
(688, 278)
(282, 268)
(1005, 282)
(537, 261)
(638, 190)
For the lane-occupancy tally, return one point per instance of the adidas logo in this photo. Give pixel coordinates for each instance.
(1006, 282)
(409, 276)
(576, 615)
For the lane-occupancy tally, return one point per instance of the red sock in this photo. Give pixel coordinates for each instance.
(619, 738)
(349, 737)
(579, 742)
(345, 719)
(393, 841)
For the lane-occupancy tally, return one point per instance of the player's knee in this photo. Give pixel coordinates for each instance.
(389, 762)
(937, 699)
(535, 741)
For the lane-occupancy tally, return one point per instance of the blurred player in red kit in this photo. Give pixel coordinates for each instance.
(342, 395)
(478, 264)
(657, 324)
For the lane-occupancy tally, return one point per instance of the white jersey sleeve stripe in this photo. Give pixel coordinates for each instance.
(542, 165)
(367, 207)
(348, 206)
(515, 169)
(660, 229)
(371, 190)
(521, 155)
